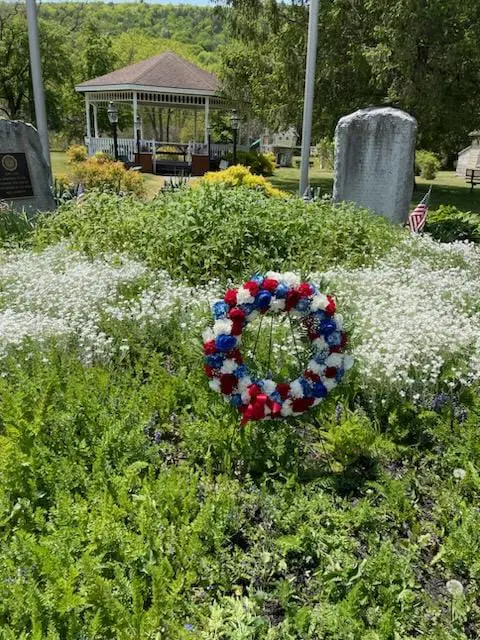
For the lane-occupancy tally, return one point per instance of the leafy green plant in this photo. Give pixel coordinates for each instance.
(100, 172)
(77, 153)
(211, 232)
(448, 224)
(15, 226)
(238, 175)
(427, 164)
(260, 164)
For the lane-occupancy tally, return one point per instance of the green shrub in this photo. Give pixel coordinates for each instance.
(99, 172)
(448, 224)
(426, 164)
(260, 164)
(76, 153)
(211, 232)
(237, 175)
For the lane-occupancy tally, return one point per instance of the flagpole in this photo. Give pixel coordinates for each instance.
(37, 79)
(308, 95)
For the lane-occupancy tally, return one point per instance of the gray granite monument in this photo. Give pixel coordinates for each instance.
(24, 173)
(374, 160)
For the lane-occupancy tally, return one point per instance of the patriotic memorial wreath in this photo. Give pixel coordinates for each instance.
(263, 398)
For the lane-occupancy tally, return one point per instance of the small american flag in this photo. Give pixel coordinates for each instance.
(418, 217)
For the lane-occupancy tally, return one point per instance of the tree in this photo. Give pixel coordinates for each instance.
(16, 99)
(419, 55)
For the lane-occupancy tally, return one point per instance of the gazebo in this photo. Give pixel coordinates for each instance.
(166, 80)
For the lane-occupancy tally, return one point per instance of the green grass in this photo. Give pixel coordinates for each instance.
(447, 187)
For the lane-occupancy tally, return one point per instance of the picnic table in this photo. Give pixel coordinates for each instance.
(473, 177)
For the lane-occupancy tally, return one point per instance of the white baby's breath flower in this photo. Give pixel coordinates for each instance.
(459, 474)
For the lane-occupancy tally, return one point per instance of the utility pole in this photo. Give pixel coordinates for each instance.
(308, 95)
(37, 79)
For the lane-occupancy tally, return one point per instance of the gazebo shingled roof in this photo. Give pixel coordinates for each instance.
(164, 81)
(165, 71)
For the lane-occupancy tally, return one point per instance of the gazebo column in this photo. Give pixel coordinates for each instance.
(89, 126)
(135, 114)
(95, 120)
(207, 114)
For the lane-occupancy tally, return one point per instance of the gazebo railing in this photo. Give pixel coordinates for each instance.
(127, 148)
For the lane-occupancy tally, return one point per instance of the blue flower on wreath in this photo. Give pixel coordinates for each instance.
(327, 327)
(225, 342)
(220, 309)
(215, 360)
(236, 400)
(241, 371)
(281, 291)
(334, 339)
(263, 299)
(319, 390)
(303, 305)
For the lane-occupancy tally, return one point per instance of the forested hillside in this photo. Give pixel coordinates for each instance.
(200, 27)
(81, 41)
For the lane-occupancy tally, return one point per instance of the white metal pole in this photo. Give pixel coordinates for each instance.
(37, 79)
(308, 95)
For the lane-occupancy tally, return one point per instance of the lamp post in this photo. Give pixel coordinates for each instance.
(112, 112)
(235, 121)
(138, 132)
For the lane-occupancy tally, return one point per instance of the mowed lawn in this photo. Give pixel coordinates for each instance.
(447, 187)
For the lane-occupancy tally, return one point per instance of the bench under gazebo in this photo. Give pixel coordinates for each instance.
(164, 81)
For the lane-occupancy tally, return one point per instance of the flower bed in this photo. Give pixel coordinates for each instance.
(133, 506)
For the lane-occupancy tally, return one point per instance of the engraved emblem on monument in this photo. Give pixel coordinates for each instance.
(15, 179)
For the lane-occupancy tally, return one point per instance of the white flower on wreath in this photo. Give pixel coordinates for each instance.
(222, 327)
(244, 296)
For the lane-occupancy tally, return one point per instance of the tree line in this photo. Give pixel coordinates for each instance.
(418, 55)
(82, 41)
